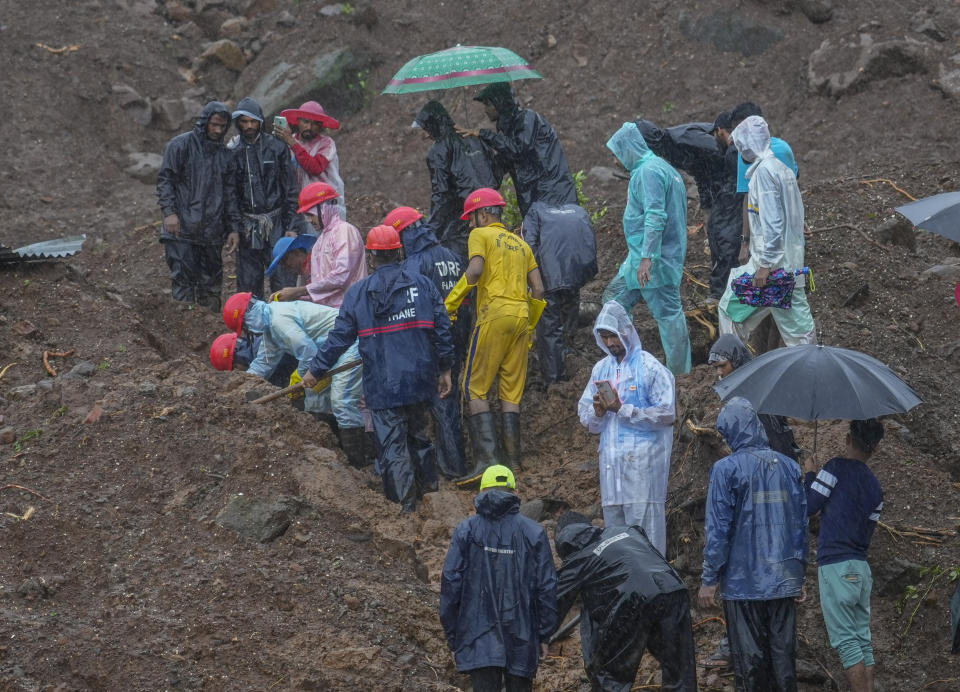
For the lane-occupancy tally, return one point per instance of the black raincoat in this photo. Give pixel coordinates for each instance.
(195, 182)
(528, 147)
(457, 167)
(562, 239)
(631, 599)
(265, 178)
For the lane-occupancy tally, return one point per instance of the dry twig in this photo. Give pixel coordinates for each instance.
(891, 184)
(20, 487)
(54, 354)
(5, 368)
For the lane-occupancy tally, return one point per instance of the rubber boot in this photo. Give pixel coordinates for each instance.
(370, 447)
(510, 435)
(351, 442)
(483, 441)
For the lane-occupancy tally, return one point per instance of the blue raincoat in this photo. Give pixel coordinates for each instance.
(655, 226)
(299, 328)
(756, 524)
(498, 592)
(404, 337)
(636, 441)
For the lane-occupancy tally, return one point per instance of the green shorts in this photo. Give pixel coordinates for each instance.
(845, 602)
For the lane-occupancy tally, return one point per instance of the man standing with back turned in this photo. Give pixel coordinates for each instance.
(197, 197)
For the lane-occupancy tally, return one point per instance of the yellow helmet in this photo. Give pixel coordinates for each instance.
(498, 476)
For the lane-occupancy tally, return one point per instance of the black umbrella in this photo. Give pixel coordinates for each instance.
(939, 214)
(819, 383)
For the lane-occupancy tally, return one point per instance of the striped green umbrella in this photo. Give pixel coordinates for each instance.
(460, 66)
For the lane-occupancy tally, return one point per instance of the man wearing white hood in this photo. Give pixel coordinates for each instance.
(635, 424)
(775, 212)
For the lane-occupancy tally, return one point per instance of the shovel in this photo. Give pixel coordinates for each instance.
(299, 385)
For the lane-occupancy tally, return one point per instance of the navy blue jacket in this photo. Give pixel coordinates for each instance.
(404, 337)
(850, 499)
(756, 524)
(425, 255)
(498, 593)
(196, 181)
(563, 241)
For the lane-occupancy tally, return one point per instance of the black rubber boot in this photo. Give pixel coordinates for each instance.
(351, 442)
(511, 440)
(370, 447)
(483, 441)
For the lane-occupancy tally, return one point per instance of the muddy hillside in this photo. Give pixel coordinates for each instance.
(159, 532)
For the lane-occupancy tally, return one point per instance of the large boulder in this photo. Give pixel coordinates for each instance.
(225, 52)
(729, 30)
(332, 78)
(262, 520)
(133, 104)
(838, 68)
(176, 114)
(143, 165)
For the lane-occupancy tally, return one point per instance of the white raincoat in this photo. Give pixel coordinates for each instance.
(775, 214)
(635, 442)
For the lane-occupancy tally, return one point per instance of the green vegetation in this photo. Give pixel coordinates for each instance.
(511, 213)
(29, 435)
(919, 592)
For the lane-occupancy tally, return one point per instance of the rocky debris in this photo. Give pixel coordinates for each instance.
(332, 10)
(603, 174)
(950, 269)
(861, 293)
(142, 8)
(83, 369)
(444, 506)
(891, 578)
(133, 104)
(948, 77)
(285, 20)
(175, 114)
(817, 11)
(838, 68)
(148, 389)
(234, 27)
(352, 602)
(7, 435)
(925, 24)
(33, 588)
(22, 392)
(328, 78)
(261, 520)
(143, 165)
(24, 328)
(179, 13)
(225, 52)
(729, 30)
(533, 509)
(896, 230)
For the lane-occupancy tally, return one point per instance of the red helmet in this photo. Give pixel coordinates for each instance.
(314, 194)
(401, 217)
(478, 199)
(221, 351)
(383, 238)
(234, 310)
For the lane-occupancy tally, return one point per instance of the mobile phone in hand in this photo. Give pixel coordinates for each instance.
(608, 395)
(280, 121)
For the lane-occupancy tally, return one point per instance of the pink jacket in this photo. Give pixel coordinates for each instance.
(336, 261)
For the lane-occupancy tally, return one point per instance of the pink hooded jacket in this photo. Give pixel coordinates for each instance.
(337, 259)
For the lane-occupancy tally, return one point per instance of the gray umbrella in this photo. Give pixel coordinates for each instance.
(939, 214)
(819, 383)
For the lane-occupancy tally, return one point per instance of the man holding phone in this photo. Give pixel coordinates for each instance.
(630, 401)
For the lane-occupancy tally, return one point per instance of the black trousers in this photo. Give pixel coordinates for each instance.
(251, 265)
(196, 272)
(495, 679)
(557, 323)
(763, 644)
(407, 458)
(724, 241)
(662, 626)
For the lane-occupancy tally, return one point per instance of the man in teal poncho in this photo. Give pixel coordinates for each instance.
(655, 226)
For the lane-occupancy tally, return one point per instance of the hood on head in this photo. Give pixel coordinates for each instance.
(212, 108)
(417, 237)
(628, 145)
(613, 318)
(433, 118)
(329, 215)
(495, 504)
(257, 317)
(500, 94)
(248, 107)
(392, 280)
(752, 139)
(740, 426)
(729, 347)
(574, 538)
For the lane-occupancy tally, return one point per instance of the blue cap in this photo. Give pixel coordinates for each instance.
(285, 245)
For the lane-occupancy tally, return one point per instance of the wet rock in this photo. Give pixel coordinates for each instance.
(7, 435)
(190, 30)
(551, 41)
(923, 23)
(179, 13)
(147, 389)
(533, 509)
(183, 391)
(44, 386)
(81, 370)
(174, 113)
(842, 67)
(142, 8)
(33, 589)
(603, 174)
(24, 328)
(891, 577)
(352, 602)
(330, 78)
(22, 392)
(225, 52)
(234, 26)
(261, 520)
(896, 230)
(444, 506)
(948, 77)
(729, 30)
(817, 11)
(858, 296)
(286, 20)
(133, 104)
(808, 671)
(332, 10)
(945, 271)
(143, 165)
